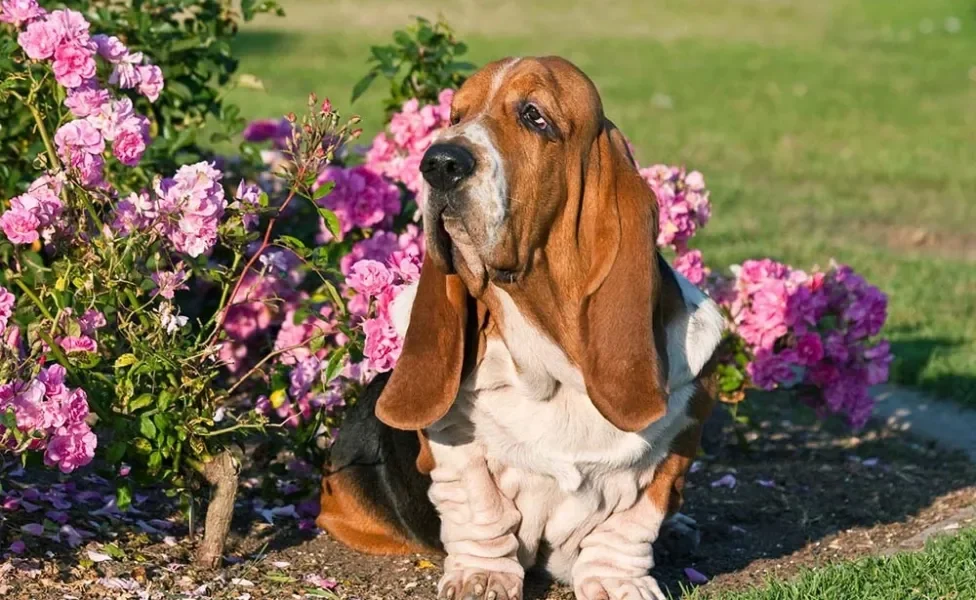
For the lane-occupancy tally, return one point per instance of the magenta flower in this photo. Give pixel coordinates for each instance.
(78, 138)
(71, 26)
(691, 265)
(91, 321)
(249, 195)
(78, 344)
(809, 349)
(383, 345)
(191, 204)
(169, 282)
(19, 12)
(361, 198)
(126, 72)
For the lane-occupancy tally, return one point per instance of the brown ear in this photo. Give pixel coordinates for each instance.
(621, 364)
(426, 377)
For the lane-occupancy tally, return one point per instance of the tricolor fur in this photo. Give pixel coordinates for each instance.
(555, 372)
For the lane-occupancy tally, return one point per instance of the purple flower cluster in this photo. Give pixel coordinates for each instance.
(816, 329)
(53, 415)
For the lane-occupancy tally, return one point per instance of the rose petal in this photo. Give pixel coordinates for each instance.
(767, 483)
(18, 547)
(281, 564)
(870, 462)
(695, 577)
(727, 481)
(242, 582)
(33, 529)
(98, 557)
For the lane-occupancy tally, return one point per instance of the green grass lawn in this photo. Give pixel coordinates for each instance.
(945, 570)
(826, 129)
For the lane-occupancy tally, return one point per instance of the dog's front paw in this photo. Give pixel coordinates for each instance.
(470, 584)
(635, 588)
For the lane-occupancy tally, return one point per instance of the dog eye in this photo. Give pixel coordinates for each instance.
(455, 118)
(532, 116)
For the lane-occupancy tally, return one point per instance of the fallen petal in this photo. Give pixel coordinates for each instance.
(33, 529)
(98, 556)
(281, 564)
(18, 547)
(767, 483)
(242, 582)
(870, 462)
(695, 577)
(727, 481)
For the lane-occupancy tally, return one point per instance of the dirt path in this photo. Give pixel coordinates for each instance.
(805, 495)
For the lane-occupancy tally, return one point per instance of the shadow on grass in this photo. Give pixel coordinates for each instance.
(913, 356)
(262, 42)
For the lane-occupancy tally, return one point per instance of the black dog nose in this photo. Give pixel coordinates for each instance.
(446, 165)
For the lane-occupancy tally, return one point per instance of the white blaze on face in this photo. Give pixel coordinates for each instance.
(487, 190)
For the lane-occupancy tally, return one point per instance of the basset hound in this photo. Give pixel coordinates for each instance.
(555, 373)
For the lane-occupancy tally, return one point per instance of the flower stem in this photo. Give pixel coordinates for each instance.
(58, 354)
(34, 298)
(265, 242)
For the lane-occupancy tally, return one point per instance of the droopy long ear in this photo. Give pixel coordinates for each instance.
(621, 364)
(426, 377)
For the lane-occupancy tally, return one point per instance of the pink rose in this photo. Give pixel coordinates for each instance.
(369, 277)
(150, 81)
(71, 25)
(86, 100)
(126, 71)
(75, 407)
(110, 48)
(7, 301)
(383, 346)
(71, 447)
(19, 12)
(53, 379)
(73, 65)
(78, 136)
(20, 227)
(91, 321)
(130, 141)
(39, 40)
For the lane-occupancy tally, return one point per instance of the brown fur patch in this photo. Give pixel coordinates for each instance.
(349, 519)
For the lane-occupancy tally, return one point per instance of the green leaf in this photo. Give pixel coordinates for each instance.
(142, 401)
(125, 360)
(316, 343)
(123, 497)
(335, 364)
(279, 578)
(324, 190)
(363, 84)
(113, 550)
(146, 428)
(155, 461)
(115, 452)
(331, 221)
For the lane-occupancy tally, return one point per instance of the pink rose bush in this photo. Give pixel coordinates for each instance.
(396, 153)
(43, 413)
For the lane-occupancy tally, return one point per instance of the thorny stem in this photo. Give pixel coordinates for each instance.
(265, 242)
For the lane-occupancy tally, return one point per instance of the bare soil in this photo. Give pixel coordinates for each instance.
(826, 495)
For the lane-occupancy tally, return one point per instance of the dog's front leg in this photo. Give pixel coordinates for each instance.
(478, 527)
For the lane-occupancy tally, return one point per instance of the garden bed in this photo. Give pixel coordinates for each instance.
(806, 494)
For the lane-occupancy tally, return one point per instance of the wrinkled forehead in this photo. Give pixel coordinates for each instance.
(554, 84)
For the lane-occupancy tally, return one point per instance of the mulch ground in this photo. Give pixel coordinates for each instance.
(805, 494)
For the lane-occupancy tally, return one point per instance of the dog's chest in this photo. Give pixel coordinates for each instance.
(529, 418)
